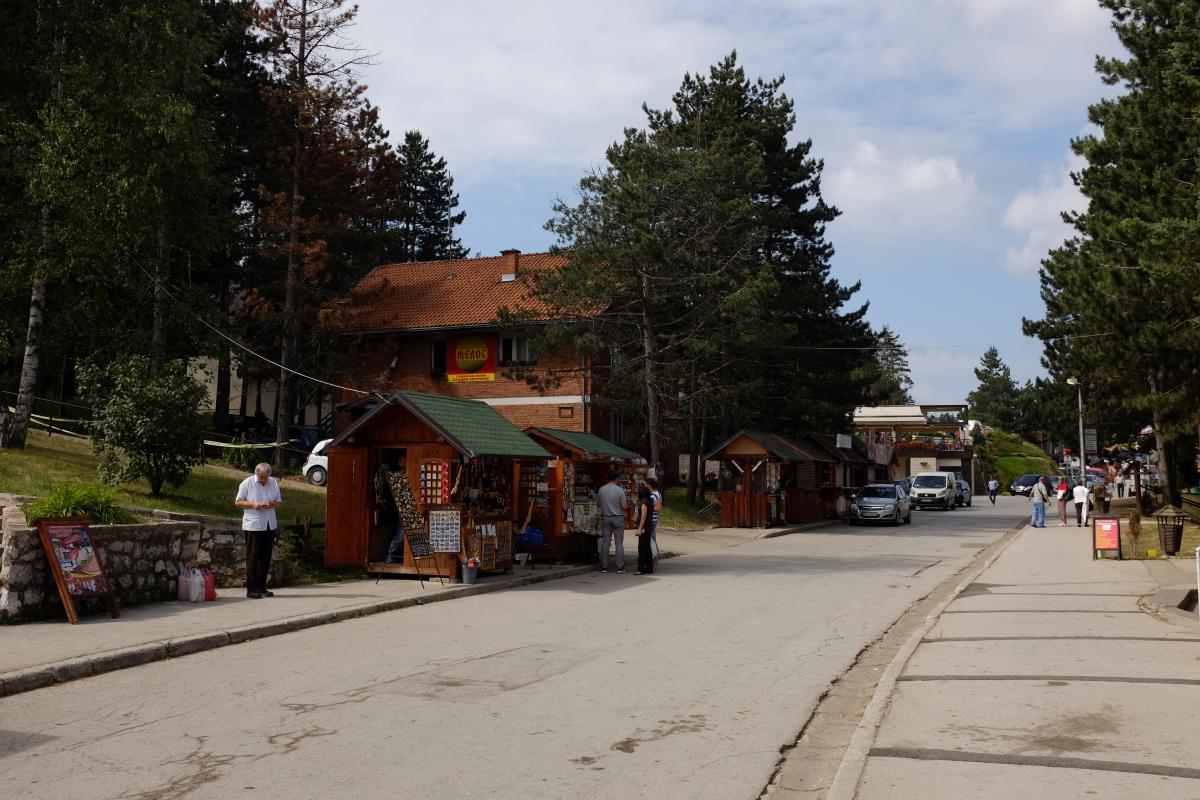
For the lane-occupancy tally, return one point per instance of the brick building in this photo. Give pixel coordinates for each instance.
(431, 327)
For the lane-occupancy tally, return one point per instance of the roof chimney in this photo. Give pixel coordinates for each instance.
(510, 260)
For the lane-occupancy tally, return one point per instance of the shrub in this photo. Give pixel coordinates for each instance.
(146, 422)
(92, 500)
(243, 458)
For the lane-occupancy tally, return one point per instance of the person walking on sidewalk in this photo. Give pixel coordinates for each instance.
(258, 496)
(1063, 491)
(645, 530)
(1108, 493)
(1080, 496)
(993, 487)
(1039, 495)
(612, 502)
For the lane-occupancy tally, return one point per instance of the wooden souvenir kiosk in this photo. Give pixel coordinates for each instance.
(765, 479)
(422, 482)
(566, 509)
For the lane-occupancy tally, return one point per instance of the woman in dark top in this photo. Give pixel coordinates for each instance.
(645, 531)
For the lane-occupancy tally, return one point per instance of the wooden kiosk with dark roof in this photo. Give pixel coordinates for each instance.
(425, 464)
(580, 467)
(766, 479)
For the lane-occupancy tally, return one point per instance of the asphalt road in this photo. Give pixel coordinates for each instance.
(681, 685)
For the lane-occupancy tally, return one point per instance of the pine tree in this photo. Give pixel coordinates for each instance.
(888, 371)
(426, 202)
(703, 239)
(1121, 305)
(995, 399)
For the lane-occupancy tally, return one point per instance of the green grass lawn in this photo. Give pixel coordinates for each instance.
(210, 488)
(679, 514)
(1009, 457)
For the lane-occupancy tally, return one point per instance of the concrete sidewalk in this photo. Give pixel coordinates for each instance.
(1050, 676)
(39, 654)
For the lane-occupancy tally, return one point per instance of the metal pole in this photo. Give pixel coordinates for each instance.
(1082, 450)
(1198, 580)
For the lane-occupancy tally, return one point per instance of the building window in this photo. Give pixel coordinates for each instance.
(566, 412)
(515, 350)
(438, 366)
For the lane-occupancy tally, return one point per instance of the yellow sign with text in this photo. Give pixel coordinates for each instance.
(472, 359)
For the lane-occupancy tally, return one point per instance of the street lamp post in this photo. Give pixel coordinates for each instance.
(1078, 384)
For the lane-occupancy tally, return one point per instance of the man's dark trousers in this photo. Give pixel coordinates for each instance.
(259, 545)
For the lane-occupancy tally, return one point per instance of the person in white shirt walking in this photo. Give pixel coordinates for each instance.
(993, 487)
(1080, 495)
(258, 496)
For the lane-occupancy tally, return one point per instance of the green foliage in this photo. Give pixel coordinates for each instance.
(887, 374)
(145, 424)
(1008, 457)
(994, 401)
(93, 500)
(702, 239)
(242, 458)
(1120, 297)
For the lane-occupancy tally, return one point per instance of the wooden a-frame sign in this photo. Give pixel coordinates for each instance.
(75, 564)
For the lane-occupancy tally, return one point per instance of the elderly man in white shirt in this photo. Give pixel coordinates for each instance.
(258, 496)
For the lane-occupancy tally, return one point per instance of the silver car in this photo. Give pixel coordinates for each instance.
(880, 502)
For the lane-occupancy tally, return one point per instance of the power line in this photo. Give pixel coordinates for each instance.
(241, 346)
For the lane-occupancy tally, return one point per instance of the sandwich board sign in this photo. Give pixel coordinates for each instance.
(1106, 536)
(74, 563)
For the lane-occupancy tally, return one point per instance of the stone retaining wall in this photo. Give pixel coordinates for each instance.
(142, 561)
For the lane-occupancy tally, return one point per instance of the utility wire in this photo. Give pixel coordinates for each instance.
(241, 346)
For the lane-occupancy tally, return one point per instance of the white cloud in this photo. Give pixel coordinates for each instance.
(1036, 216)
(910, 194)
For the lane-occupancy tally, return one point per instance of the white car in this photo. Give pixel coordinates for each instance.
(316, 464)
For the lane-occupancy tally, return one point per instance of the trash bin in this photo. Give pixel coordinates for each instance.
(469, 572)
(1170, 528)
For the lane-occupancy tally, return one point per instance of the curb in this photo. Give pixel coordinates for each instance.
(844, 785)
(39, 677)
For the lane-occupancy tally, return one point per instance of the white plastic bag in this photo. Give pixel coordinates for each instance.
(654, 549)
(196, 586)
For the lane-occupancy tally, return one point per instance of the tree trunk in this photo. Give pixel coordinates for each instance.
(1161, 445)
(158, 335)
(648, 349)
(695, 463)
(287, 358)
(29, 365)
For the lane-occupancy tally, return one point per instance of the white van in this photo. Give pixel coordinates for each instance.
(934, 490)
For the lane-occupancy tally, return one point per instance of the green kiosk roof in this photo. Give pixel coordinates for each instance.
(589, 444)
(472, 427)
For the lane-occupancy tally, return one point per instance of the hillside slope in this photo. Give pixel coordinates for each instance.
(1008, 457)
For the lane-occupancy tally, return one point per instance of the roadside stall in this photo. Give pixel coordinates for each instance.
(844, 472)
(765, 479)
(567, 512)
(421, 483)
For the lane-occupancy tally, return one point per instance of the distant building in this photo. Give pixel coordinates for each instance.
(431, 327)
(903, 439)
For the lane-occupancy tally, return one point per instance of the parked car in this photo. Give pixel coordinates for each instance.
(316, 464)
(1023, 484)
(880, 502)
(964, 492)
(934, 490)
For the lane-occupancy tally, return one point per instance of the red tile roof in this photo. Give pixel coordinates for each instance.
(442, 294)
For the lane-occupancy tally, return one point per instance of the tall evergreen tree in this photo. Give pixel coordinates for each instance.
(703, 242)
(888, 373)
(426, 203)
(1121, 305)
(994, 400)
(315, 174)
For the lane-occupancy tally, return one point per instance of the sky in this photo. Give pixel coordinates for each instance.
(944, 127)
